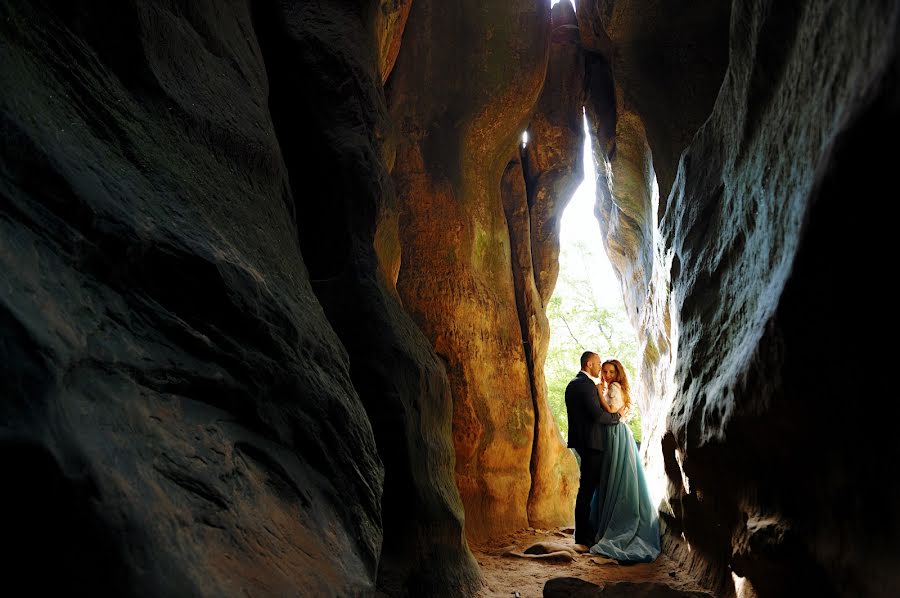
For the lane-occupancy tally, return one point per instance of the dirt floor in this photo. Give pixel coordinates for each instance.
(506, 575)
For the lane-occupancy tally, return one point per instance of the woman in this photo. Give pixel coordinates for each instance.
(622, 511)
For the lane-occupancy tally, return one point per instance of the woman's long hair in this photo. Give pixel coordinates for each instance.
(622, 379)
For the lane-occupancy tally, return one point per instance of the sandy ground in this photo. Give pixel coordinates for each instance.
(506, 575)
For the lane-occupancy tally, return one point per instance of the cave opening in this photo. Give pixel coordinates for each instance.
(555, 2)
(586, 310)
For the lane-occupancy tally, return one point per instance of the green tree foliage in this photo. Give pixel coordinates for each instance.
(580, 321)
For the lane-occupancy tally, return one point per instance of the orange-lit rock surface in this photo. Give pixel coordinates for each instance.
(456, 277)
(553, 467)
(552, 161)
(390, 19)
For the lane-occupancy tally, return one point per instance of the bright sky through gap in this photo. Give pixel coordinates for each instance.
(555, 2)
(578, 224)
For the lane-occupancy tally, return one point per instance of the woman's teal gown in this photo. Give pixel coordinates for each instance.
(622, 512)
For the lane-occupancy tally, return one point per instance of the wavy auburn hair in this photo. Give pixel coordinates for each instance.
(621, 378)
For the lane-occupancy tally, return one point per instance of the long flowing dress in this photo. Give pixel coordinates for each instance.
(622, 511)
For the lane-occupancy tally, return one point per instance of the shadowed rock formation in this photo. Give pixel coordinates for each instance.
(668, 59)
(553, 166)
(741, 297)
(274, 275)
(554, 472)
(390, 21)
(771, 174)
(572, 587)
(166, 365)
(195, 332)
(398, 377)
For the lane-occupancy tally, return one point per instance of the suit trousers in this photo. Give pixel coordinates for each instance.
(592, 472)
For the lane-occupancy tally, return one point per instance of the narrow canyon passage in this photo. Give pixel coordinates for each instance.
(585, 312)
(276, 282)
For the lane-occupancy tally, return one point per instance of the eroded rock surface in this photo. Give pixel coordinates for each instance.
(166, 365)
(205, 380)
(460, 115)
(735, 312)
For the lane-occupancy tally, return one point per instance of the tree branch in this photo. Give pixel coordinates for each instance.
(563, 318)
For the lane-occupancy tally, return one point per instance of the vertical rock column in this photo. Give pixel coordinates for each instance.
(331, 119)
(464, 85)
(552, 164)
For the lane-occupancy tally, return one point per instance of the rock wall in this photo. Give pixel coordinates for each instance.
(744, 291)
(208, 387)
(551, 164)
(455, 278)
(331, 118)
(460, 116)
(166, 366)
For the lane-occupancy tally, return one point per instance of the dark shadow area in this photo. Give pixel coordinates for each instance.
(55, 543)
(321, 185)
(833, 318)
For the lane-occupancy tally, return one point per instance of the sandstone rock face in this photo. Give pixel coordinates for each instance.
(739, 295)
(459, 116)
(202, 369)
(553, 168)
(573, 587)
(390, 19)
(398, 377)
(653, 72)
(167, 369)
(771, 173)
(552, 172)
(554, 471)
(668, 59)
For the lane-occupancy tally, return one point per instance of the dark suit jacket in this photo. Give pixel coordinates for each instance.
(587, 418)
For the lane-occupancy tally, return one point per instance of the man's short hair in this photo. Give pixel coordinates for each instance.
(585, 357)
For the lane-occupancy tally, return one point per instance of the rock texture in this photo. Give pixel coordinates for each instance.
(551, 166)
(668, 59)
(554, 471)
(207, 387)
(166, 366)
(737, 297)
(399, 379)
(776, 178)
(460, 115)
(390, 21)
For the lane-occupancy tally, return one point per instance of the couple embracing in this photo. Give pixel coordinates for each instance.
(614, 515)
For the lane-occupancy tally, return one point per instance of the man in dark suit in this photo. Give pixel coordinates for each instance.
(587, 435)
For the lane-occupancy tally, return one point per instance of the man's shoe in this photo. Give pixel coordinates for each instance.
(581, 548)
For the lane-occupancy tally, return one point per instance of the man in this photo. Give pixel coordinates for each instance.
(587, 435)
